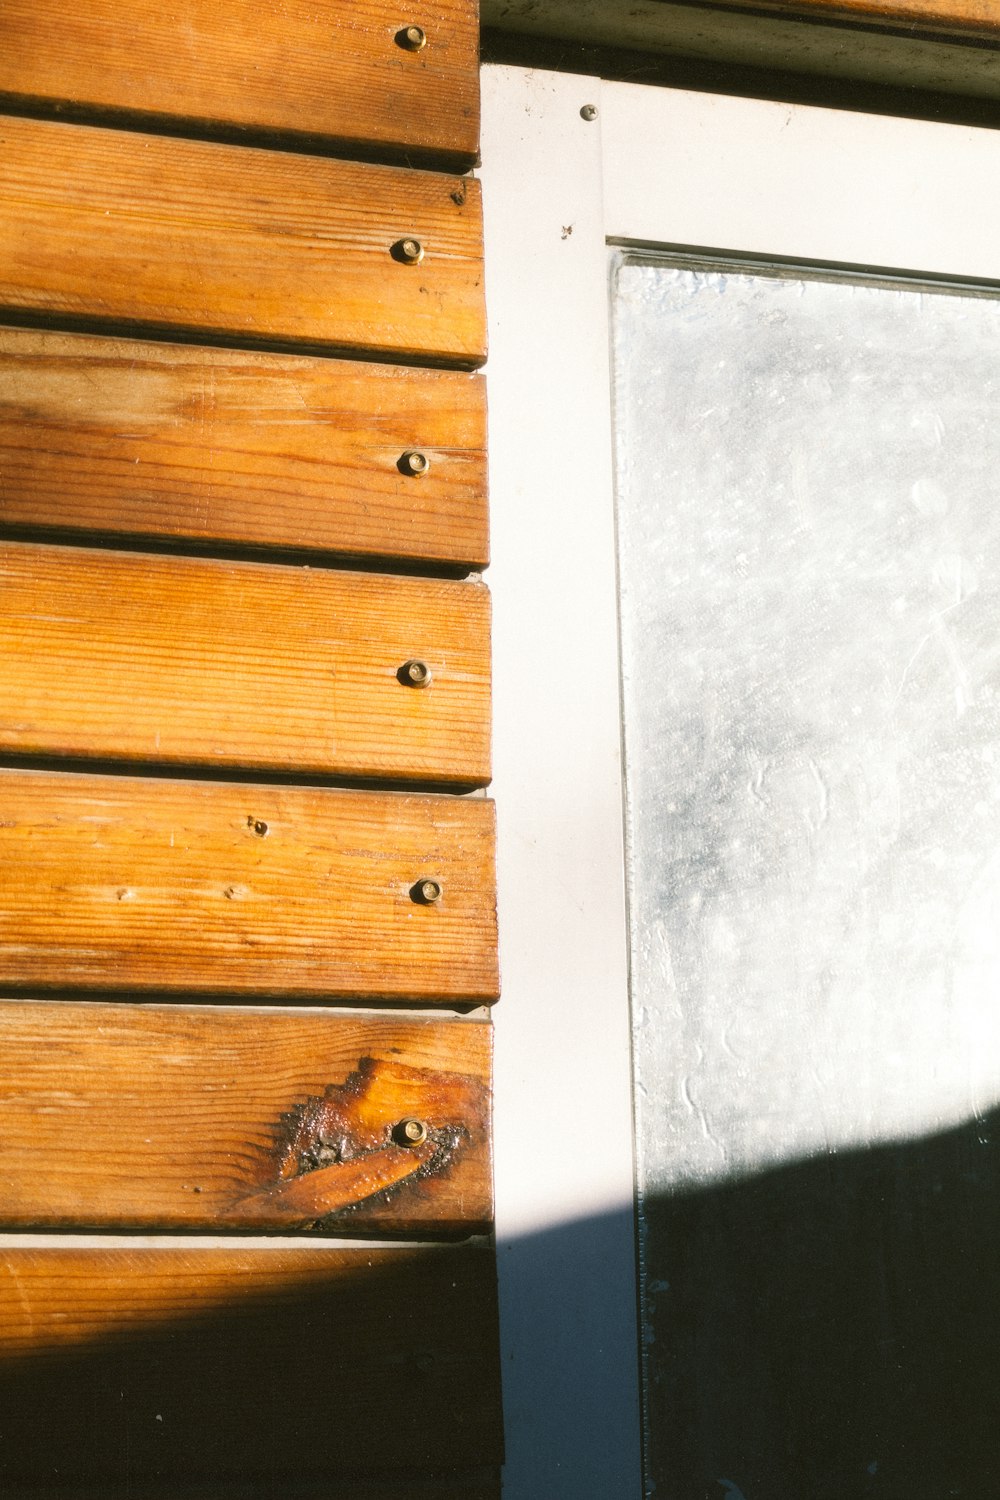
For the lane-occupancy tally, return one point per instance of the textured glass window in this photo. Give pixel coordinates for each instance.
(808, 479)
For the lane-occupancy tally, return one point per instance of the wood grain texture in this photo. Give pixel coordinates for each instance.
(129, 885)
(980, 18)
(194, 661)
(238, 242)
(311, 69)
(196, 1118)
(133, 439)
(124, 1364)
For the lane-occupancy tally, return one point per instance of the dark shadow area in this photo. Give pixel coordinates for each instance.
(768, 80)
(266, 1367)
(829, 1330)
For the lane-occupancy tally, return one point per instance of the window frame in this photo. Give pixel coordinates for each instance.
(700, 173)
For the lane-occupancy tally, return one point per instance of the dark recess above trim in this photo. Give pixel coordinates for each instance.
(890, 66)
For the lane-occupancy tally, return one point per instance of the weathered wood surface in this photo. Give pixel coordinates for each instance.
(133, 439)
(121, 884)
(176, 1117)
(311, 70)
(200, 661)
(979, 17)
(238, 242)
(120, 1364)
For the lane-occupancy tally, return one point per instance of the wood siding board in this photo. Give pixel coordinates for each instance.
(978, 19)
(310, 70)
(180, 660)
(173, 1118)
(407, 1484)
(132, 1363)
(124, 885)
(130, 229)
(124, 438)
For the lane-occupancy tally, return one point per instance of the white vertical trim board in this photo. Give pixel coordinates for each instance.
(564, 1174)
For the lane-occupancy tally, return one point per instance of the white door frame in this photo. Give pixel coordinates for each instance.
(656, 167)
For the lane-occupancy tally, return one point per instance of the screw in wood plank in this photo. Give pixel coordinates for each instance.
(259, 827)
(409, 251)
(412, 38)
(426, 892)
(410, 1133)
(588, 112)
(415, 463)
(414, 674)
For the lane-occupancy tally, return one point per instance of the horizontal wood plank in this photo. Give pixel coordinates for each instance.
(481, 1483)
(199, 1118)
(238, 242)
(187, 660)
(981, 18)
(121, 884)
(312, 69)
(133, 439)
(132, 1363)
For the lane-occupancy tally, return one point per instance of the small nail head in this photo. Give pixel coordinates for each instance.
(429, 891)
(409, 250)
(588, 112)
(416, 673)
(412, 38)
(416, 463)
(410, 1132)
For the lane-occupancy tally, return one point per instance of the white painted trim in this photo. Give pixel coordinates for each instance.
(564, 1173)
(661, 167)
(796, 181)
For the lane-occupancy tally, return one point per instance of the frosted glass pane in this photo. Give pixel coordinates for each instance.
(808, 478)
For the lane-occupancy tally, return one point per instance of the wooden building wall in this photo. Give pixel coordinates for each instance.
(247, 906)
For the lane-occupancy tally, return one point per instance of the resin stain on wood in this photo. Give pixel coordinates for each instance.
(125, 885)
(178, 660)
(116, 227)
(124, 438)
(324, 72)
(171, 1117)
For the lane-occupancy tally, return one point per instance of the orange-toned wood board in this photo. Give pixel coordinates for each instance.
(208, 1118)
(355, 75)
(194, 1362)
(980, 17)
(242, 243)
(132, 439)
(200, 661)
(121, 884)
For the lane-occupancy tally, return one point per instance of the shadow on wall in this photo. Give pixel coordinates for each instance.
(828, 1330)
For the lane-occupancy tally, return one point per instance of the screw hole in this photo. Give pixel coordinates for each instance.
(411, 38)
(408, 251)
(416, 674)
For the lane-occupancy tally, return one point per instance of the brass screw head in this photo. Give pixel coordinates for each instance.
(588, 112)
(412, 38)
(427, 892)
(410, 1133)
(415, 463)
(415, 673)
(409, 251)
